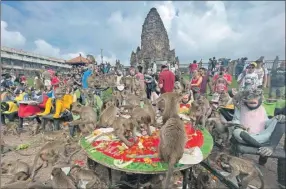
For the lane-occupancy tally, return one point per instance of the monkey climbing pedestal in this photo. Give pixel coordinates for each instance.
(140, 163)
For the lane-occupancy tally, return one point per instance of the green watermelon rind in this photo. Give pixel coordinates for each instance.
(99, 157)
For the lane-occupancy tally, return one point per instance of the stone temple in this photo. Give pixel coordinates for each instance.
(155, 47)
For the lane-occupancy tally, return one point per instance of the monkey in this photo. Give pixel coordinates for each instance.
(130, 100)
(18, 169)
(178, 88)
(200, 111)
(20, 176)
(140, 116)
(108, 116)
(239, 167)
(49, 154)
(140, 93)
(39, 85)
(170, 106)
(160, 106)
(118, 98)
(39, 185)
(11, 127)
(172, 143)
(17, 185)
(55, 135)
(92, 179)
(129, 83)
(34, 128)
(14, 166)
(61, 180)
(224, 99)
(111, 80)
(88, 118)
(122, 127)
(148, 107)
(91, 81)
(205, 181)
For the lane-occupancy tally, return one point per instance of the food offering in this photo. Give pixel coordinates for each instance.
(143, 154)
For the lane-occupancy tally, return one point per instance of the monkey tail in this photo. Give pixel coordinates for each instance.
(169, 174)
(260, 175)
(34, 170)
(69, 158)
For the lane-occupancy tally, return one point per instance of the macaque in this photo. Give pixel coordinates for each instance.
(239, 167)
(172, 143)
(61, 180)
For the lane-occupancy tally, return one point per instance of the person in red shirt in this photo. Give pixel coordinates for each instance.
(192, 67)
(219, 86)
(55, 81)
(166, 80)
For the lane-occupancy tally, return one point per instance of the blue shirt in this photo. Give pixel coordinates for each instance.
(50, 94)
(85, 76)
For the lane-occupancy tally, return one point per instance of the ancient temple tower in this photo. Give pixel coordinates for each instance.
(154, 42)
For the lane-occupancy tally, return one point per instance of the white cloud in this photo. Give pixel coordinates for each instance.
(200, 30)
(167, 13)
(11, 38)
(44, 48)
(110, 59)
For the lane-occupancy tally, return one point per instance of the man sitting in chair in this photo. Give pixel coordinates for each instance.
(258, 131)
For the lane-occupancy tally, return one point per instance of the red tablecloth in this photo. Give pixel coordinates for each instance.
(26, 110)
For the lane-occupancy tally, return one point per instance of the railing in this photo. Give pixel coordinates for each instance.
(33, 60)
(268, 64)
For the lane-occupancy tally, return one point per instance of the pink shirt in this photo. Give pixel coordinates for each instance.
(141, 79)
(255, 120)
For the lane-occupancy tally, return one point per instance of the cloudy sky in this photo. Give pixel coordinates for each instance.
(196, 29)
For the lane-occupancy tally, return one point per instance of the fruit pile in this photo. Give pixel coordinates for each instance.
(145, 148)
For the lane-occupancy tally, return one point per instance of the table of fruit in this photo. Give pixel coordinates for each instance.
(142, 157)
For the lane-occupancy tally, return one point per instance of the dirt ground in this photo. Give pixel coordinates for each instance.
(269, 170)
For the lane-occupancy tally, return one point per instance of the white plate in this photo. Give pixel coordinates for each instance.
(192, 156)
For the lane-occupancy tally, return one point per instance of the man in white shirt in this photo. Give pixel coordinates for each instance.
(259, 70)
(248, 79)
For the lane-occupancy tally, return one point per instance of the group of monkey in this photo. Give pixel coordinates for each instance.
(125, 114)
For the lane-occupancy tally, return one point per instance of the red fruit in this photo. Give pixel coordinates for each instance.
(195, 140)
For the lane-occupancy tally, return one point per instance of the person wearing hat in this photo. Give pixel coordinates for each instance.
(248, 79)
